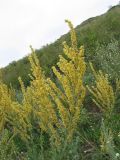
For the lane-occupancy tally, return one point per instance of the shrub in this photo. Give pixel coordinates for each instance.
(108, 59)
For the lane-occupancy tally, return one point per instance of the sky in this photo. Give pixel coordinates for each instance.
(40, 22)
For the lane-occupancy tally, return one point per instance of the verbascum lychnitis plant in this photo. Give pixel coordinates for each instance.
(103, 93)
(58, 108)
(12, 115)
(69, 72)
(104, 96)
(107, 143)
(41, 121)
(36, 98)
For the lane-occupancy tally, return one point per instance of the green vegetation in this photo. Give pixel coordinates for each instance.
(65, 107)
(92, 33)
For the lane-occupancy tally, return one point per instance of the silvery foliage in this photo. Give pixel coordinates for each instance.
(108, 58)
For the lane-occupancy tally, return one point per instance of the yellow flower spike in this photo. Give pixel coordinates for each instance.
(70, 76)
(22, 85)
(103, 93)
(12, 113)
(73, 35)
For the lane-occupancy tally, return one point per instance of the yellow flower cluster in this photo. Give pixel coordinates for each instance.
(103, 93)
(54, 109)
(70, 76)
(12, 114)
(73, 35)
(36, 99)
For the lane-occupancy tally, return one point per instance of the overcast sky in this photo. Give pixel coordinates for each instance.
(38, 22)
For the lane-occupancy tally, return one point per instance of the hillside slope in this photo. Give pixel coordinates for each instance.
(98, 30)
